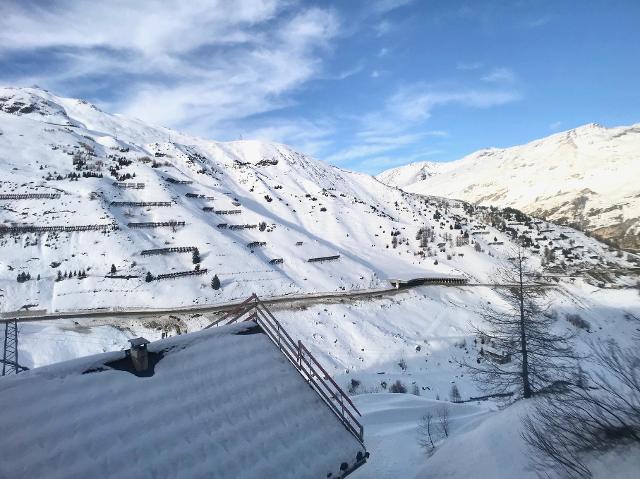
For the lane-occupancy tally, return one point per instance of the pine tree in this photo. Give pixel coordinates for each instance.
(59, 278)
(195, 257)
(149, 277)
(215, 282)
(113, 269)
(534, 358)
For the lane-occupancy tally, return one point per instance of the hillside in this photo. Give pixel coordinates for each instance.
(585, 177)
(79, 188)
(258, 214)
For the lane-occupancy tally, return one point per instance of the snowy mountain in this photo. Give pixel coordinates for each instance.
(585, 177)
(82, 190)
(406, 175)
(258, 214)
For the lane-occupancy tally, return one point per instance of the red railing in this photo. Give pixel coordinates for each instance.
(298, 354)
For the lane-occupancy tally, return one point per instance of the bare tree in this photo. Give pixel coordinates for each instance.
(602, 414)
(454, 394)
(425, 433)
(443, 420)
(522, 356)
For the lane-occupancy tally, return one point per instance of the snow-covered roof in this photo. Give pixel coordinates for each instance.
(221, 403)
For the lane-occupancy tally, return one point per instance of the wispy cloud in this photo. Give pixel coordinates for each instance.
(500, 75)
(229, 69)
(367, 147)
(312, 137)
(399, 125)
(417, 102)
(384, 6)
(196, 65)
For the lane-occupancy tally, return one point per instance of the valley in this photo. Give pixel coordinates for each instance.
(112, 229)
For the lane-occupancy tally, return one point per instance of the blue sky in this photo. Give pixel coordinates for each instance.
(365, 85)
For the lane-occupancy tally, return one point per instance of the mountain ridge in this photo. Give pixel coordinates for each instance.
(583, 177)
(85, 193)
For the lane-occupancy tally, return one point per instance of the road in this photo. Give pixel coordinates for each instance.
(290, 300)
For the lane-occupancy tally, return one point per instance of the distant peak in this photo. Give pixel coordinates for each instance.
(590, 126)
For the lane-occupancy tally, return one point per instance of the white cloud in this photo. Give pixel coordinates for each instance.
(500, 75)
(384, 6)
(416, 102)
(152, 28)
(440, 133)
(198, 65)
(399, 124)
(310, 137)
(373, 146)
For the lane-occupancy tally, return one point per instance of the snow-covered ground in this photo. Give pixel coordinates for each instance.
(483, 442)
(307, 210)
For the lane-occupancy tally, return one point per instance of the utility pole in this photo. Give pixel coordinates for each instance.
(10, 350)
(9, 360)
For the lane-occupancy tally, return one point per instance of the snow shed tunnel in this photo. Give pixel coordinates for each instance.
(409, 281)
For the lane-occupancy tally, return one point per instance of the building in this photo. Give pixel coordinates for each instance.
(236, 401)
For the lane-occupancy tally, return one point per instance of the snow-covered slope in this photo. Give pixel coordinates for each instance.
(480, 443)
(301, 209)
(586, 177)
(406, 175)
(256, 212)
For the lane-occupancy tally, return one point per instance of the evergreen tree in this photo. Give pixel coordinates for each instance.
(535, 357)
(195, 257)
(113, 269)
(149, 277)
(215, 282)
(59, 278)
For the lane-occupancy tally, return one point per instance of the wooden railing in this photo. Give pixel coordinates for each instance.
(297, 353)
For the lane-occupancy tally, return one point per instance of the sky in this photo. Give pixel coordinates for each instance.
(363, 84)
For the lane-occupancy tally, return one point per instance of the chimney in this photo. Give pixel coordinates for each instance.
(139, 355)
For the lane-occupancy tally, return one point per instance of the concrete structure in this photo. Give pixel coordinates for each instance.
(404, 280)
